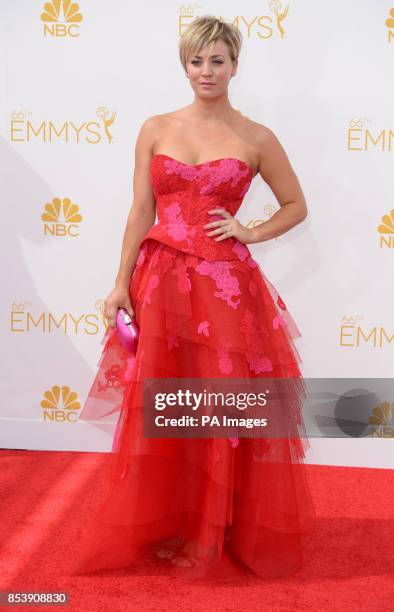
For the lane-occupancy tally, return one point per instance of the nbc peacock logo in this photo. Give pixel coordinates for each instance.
(383, 420)
(60, 405)
(61, 19)
(262, 26)
(61, 218)
(390, 25)
(386, 230)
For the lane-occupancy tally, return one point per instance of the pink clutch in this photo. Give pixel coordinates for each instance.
(128, 330)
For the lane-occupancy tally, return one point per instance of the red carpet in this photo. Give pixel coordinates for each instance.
(47, 496)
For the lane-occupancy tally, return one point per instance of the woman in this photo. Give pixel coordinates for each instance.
(204, 310)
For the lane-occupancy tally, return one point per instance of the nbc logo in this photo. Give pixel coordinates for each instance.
(61, 218)
(61, 18)
(60, 410)
(390, 25)
(386, 230)
(383, 419)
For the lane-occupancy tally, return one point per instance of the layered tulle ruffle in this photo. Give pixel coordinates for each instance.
(210, 499)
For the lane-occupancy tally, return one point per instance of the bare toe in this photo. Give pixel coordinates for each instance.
(165, 553)
(168, 550)
(183, 560)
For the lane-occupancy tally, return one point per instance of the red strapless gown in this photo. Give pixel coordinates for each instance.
(205, 309)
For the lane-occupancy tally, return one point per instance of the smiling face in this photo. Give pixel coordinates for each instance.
(211, 65)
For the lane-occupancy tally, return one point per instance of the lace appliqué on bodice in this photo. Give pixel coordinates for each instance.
(185, 193)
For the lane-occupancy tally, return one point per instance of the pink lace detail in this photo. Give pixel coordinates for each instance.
(225, 363)
(257, 361)
(226, 171)
(241, 251)
(203, 328)
(184, 283)
(227, 284)
(185, 198)
(186, 171)
(277, 321)
(152, 284)
(259, 364)
(252, 263)
(177, 228)
(234, 442)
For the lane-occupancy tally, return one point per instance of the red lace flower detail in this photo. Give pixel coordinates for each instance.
(113, 378)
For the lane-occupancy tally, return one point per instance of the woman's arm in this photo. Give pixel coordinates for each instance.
(277, 172)
(142, 214)
(140, 219)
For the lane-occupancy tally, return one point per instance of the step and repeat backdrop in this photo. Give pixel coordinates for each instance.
(79, 79)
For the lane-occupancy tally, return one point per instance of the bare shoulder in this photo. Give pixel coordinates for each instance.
(162, 120)
(157, 126)
(258, 136)
(149, 132)
(267, 143)
(150, 124)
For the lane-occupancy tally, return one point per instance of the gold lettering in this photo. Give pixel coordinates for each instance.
(342, 335)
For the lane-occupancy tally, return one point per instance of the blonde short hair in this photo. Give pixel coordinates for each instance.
(206, 30)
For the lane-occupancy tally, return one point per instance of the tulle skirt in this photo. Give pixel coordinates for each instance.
(211, 504)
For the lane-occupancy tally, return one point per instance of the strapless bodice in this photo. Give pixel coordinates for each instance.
(184, 194)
